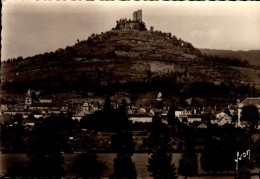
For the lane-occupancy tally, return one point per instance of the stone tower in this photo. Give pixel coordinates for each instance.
(137, 16)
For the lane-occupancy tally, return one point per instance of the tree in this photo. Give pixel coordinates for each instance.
(107, 105)
(172, 119)
(227, 111)
(123, 145)
(221, 147)
(12, 136)
(211, 155)
(159, 134)
(124, 167)
(244, 137)
(45, 158)
(111, 55)
(160, 164)
(257, 157)
(34, 96)
(88, 166)
(122, 142)
(17, 119)
(243, 173)
(188, 164)
(234, 118)
(250, 113)
(17, 169)
(20, 58)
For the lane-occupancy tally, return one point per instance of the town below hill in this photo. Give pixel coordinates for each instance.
(94, 124)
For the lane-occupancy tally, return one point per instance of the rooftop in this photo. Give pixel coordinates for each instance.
(139, 115)
(57, 104)
(250, 101)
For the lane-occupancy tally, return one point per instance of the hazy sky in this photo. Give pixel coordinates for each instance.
(31, 27)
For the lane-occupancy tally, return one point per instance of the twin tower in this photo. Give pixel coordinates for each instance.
(137, 16)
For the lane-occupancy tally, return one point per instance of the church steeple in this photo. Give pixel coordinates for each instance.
(29, 92)
(28, 98)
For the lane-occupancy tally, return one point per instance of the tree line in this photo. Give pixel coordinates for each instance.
(226, 60)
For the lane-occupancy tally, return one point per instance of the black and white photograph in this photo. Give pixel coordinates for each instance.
(130, 89)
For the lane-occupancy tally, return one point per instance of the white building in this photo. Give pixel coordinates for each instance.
(144, 118)
(193, 118)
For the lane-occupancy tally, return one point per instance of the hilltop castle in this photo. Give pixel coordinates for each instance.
(136, 23)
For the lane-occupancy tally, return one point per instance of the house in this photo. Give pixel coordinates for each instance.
(159, 96)
(94, 103)
(45, 100)
(3, 108)
(221, 118)
(180, 113)
(78, 116)
(29, 123)
(144, 118)
(224, 120)
(117, 99)
(85, 106)
(220, 115)
(38, 114)
(221, 121)
(5, 117)
(202, 126)
(244, 124)
(250, 101)
(198, 124)
(193, 118)
(25, 113)
(55, 108)
(142, 110)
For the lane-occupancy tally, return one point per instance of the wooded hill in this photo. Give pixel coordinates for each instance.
(121, 58)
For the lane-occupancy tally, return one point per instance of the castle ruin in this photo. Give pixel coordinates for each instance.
(135, 24)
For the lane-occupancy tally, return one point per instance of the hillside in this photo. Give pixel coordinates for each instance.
(123, 59)
(252, 56)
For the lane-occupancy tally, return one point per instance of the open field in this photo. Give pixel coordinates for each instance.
(253, 75)
(140, 159)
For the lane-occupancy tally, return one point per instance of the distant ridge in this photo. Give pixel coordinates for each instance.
(252, 56)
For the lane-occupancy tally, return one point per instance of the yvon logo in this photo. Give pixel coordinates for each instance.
(240, 156)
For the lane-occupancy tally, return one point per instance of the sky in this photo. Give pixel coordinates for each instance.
(32, 27)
